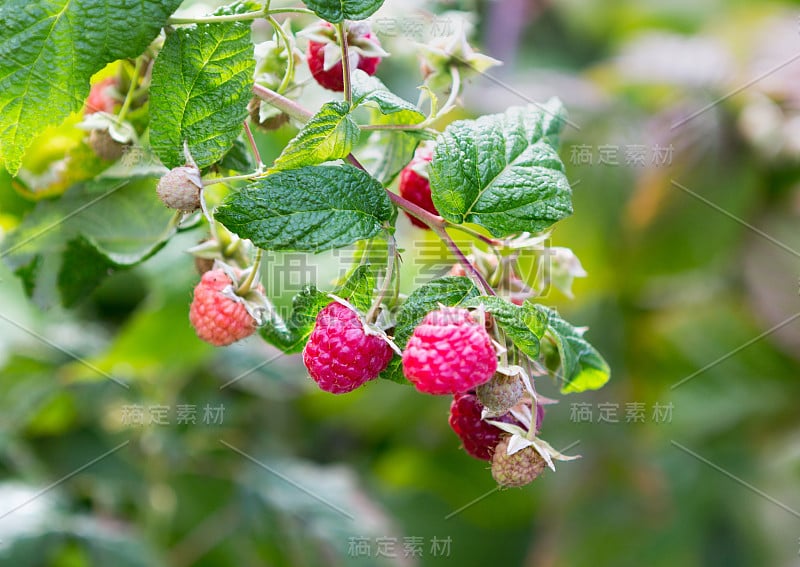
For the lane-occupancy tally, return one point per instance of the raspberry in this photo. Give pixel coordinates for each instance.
(104, 146)
(331, 78)
(100, 100)
(416, 187)
(339, 355)
(518, 469)
(479, 437)
(449, 353)
(501, 393)
(180, 188)
(217, 318)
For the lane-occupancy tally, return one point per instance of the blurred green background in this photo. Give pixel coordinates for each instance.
(684, 153)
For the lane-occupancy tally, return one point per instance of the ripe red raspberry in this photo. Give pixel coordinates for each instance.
(416, 187)
(518, 469)
(449, 353)
(479, 437)
(100, 99)
(339, 355)
(331, 78)
(217, 318)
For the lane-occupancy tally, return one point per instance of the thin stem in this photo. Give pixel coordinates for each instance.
(126, 104)
(437, 225)
(472, 271)
(391, 247)
(218, 19)
(207, 182)
(253, 147)
(455, 88)
(280, 102)
(493, 242)
(251, 277)
(501, 340)
(289, 74)
(348, 88)
(291, 11)
(399, 127)
(431, 220)
(212, 227)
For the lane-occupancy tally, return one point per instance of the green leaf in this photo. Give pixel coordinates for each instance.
(513, 319)
(359, 287)
(335, 11)
(200, 90)
(75, 284)
(330, 134)
(310, 209)
(239, 7)
(370, 90)
(290, 336)
(50, 48)
(67, 245)
(502, 171)
(392, 152)
(582, 367)
(394, 372)
(238, 158)
(387, 152)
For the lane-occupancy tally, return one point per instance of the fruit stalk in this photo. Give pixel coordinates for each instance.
(280, 102)
(253, 146)
(348, 88)
(391, 249)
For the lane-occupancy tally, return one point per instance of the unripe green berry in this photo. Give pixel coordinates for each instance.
(518, 469)
(180, 188)
(501, 393)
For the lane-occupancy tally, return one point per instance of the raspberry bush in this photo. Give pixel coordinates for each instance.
(191, 90)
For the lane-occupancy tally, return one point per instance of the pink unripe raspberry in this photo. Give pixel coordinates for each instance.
(339, 355)
(217, 318)
(449, 353)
